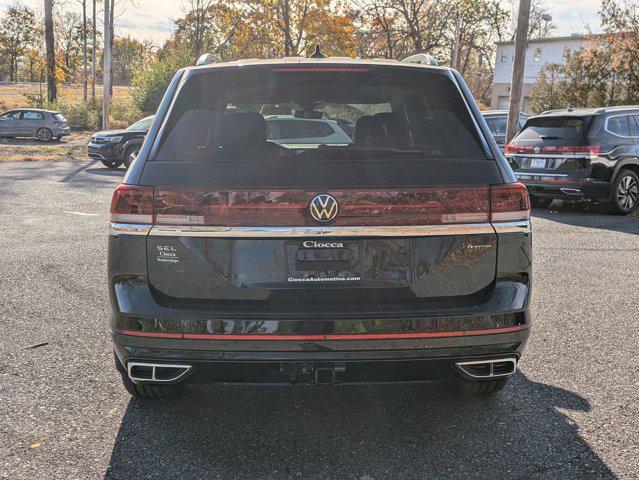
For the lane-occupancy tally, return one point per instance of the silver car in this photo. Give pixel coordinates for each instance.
(45, 125)
(290, 130)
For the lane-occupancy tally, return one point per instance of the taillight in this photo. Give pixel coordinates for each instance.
(509, 203)
(590, 151)
(511, 149)
(426, 206)
(132, 204)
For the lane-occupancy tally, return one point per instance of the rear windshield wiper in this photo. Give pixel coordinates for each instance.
(550, 137)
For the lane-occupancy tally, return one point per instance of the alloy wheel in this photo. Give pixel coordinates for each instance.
(44, 135)
(627, 192)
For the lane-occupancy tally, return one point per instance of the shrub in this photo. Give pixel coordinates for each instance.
(81, 116)
(151, 83)
(124, 112)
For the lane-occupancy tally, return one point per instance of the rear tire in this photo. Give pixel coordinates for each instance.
(486, 387)
(152, 391)
(625, 193)
(111, 163)
(540, 202)
(44, 135)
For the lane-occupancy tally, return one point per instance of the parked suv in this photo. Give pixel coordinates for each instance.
(45, 125)
(116, 147)
(497, 121)
(403, 256)
(580, 154)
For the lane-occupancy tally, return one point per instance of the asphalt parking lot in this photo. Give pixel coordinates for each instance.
(571, 412)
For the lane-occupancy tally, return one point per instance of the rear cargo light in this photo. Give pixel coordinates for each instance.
(509, 203)
(427, 206)
(132, 204)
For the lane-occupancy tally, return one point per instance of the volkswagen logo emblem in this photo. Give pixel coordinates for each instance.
(324, 208)
(537, 149)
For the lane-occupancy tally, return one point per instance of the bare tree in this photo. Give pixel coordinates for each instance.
(49, 37)
(84, 51)
(106, 69)
(94, 51)
(111, 38)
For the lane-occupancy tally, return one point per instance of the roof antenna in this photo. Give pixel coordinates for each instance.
(317, 53)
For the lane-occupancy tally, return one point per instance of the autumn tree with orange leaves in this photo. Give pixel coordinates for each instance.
(604, 73)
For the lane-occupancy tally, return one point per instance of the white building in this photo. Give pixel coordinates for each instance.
(538, 53)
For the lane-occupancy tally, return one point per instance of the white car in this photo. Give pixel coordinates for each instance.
(294, 131)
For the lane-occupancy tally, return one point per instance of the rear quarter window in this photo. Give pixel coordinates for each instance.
(623, 126)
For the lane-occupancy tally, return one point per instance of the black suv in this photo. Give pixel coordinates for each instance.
(116, 147)
(580, 154)
(402, 255)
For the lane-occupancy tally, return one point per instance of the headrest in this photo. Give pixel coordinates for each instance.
(239, 130)
(381, 130)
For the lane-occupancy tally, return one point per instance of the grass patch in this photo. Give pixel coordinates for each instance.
(12, 95)
(72, 147)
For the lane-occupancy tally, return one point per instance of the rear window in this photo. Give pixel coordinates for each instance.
(283, 114)
(553, 128)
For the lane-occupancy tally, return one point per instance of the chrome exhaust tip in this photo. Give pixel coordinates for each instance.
(571, 191)
(141, 372)
(494, 368)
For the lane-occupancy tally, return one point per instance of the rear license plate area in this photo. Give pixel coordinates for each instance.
(322, 258)
(537, 163)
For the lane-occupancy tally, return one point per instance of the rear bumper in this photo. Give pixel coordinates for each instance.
(393, 348)
(60, 132)
(425, 361)
(567, 188)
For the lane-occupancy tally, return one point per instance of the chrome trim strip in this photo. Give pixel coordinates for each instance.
(326, 231)
(567, 156)
(117, 229)
(513, 227)
(541, 174)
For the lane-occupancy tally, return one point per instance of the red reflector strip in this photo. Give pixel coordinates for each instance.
(361, 336)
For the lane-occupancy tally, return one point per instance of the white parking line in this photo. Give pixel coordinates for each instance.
(82, 213)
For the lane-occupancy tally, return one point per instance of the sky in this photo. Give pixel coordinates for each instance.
(154, 19)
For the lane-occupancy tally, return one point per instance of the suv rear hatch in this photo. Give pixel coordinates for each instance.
(244, 222)
(552, 149)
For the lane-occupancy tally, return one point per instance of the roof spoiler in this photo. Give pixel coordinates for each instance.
(421, 58)
(207, 58)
